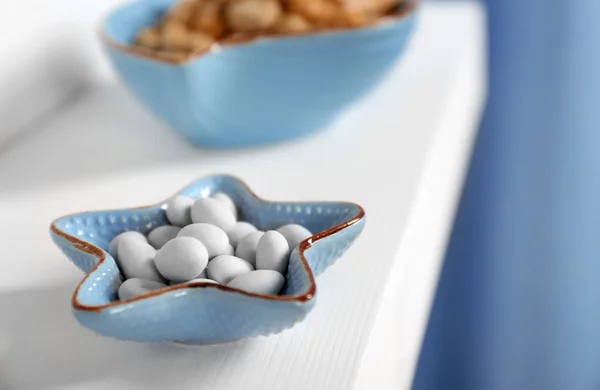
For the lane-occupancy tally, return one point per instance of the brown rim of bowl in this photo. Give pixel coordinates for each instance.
(302, 247)
(404, 10)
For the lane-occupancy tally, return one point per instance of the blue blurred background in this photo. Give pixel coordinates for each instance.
(518, 303)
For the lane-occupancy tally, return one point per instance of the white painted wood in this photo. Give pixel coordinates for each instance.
(395, 343)
(400, 153)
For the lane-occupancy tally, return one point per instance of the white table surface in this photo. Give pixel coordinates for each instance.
(401, 153)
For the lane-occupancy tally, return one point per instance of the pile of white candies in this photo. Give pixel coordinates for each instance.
(205, 243)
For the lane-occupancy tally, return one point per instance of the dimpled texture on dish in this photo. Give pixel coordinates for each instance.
(264, 91)
(202, 313)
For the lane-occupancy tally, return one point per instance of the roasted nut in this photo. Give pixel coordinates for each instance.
(341, 13)
(368, 8)
(149, 38)
(174, 36)
(199, 41)
(208, 19)
(252, 15)
(192, 26)
(291, 24)
(182, 12)
(322, 12)
(353, 19)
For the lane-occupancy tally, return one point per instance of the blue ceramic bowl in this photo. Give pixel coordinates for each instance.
(259, 91)
(202, 313)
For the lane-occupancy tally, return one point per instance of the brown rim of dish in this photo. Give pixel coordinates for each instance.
(405, 8)
(302, 247)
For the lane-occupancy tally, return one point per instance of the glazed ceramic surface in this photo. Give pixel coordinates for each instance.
(263, 91)
(202, 313)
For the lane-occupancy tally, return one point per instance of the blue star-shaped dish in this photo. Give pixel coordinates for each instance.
(202, 313)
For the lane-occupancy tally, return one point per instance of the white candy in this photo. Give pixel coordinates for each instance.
(239, 231)
(181, 259)
(224, 268)
(114, 244)
(273, 252)
(266, 282)
(203, 275)
(229, 251)
(135, 287)
(214, 239)
(226, 199)
(209, 232)
(214, 212)
(178, 210)
(202, 280)
(294, 235)
(246, 249)
(161, 235)
(136, 260)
